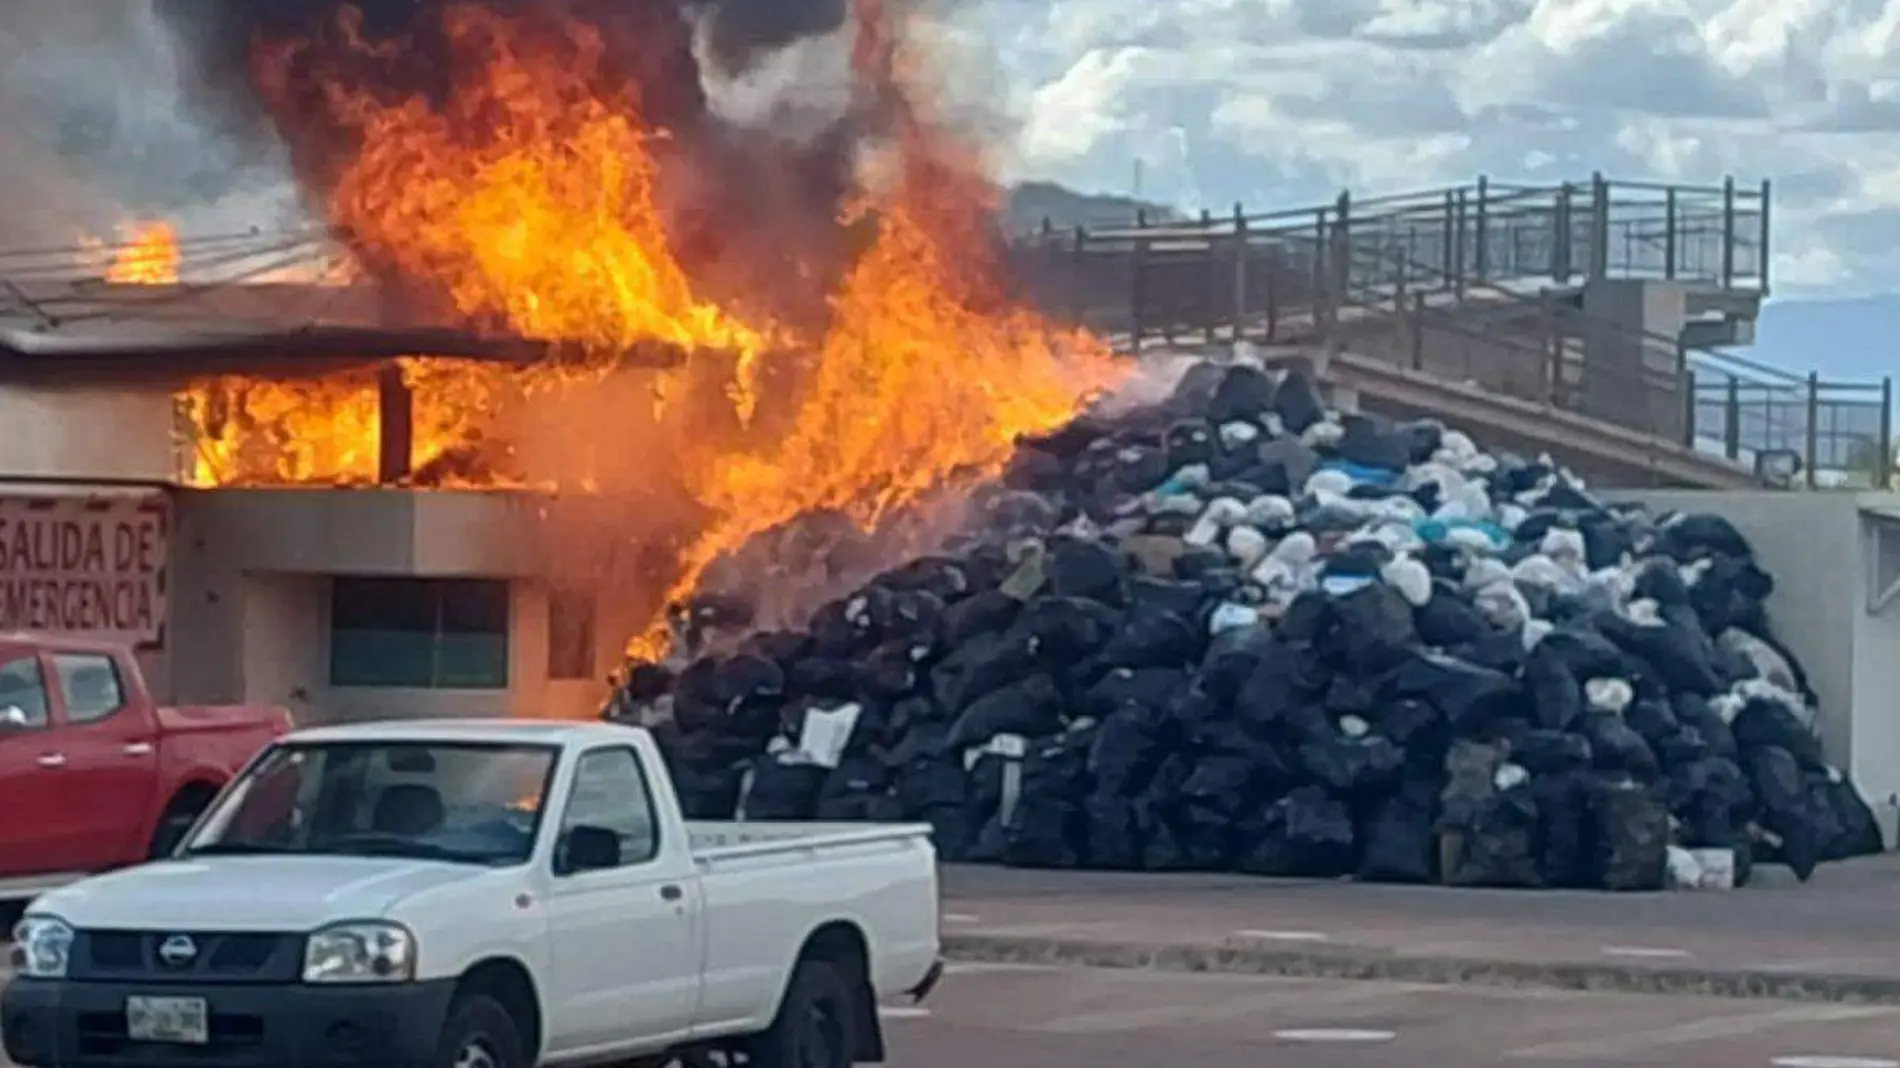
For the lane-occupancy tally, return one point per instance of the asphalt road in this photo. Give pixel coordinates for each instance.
(1014, 1016)
(1004, 1016)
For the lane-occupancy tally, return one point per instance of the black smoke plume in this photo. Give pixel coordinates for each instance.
(743, 203)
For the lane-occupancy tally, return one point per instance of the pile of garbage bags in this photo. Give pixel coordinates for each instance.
(1238, 631)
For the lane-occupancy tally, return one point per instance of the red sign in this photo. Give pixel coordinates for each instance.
(91, 567)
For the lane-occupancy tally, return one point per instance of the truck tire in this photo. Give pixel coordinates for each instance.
(479, 1034)
(814, 1027)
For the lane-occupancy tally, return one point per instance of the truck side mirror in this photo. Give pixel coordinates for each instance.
(13, 718)
(586, 848)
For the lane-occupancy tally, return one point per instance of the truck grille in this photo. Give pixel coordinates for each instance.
(227, 956)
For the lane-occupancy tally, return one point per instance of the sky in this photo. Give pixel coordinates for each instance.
(1281, 103)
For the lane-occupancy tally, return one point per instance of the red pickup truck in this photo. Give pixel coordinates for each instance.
(93, 774)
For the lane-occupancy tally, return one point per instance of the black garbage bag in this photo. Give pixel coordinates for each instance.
(1125, 752)
(1352, 695)
(1448, 620)
(1654, 720)
(1113, 838)
(1564, 858)
(1221, 783)
(782, 790)
(894, 670)
(1400, 846)
(1857, 832)
(1153, 638)
(1354, 767)
(1306, 834)
(1679, 654)
(1693, 535)
(1373, 442)
(1048, 827)
(925, 783)
(1555, 693)
(1067, 629)
(1549, 752)
(1149, 688)
(1090, 569)
(707, 793)
(1712, 801)
(1181, 598)
(1297, 401)
(858, 789)
(985, 612)
(940, 576)
(1764, 721)
(985, 664)
(1470, 696)
(1786, 808)
(1231, 657)
(1615, 747)
(1279, 700)
(1418, 729)
(1243, 393)
(1496, 842)
(1630, 830)
(825, 679)
(1375, 631)
(1031, 708)
(1694, 713)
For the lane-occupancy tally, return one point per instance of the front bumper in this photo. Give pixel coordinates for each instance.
(54, 1023)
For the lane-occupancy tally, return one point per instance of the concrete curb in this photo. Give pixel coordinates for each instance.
(1336, 963)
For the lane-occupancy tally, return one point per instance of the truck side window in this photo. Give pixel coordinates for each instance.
(22, 695)
(610, 790)
(89, 684)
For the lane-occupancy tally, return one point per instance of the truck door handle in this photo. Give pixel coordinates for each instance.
(670, 892)
(53, 760)
(139, 749)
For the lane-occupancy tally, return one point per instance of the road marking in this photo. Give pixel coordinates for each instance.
(1654, 952)
(1300, 996)
(902, 1012)
(1334, 1034)
(1823, 1060)
(961, 917)
(1828, 1061)
(1286, 936)
(979, 967)
(1708, 1029)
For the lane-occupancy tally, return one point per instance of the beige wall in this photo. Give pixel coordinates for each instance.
(105, 434)
(251, 597)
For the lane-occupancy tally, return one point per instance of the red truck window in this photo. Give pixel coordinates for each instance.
(89, 684)
(22, 694)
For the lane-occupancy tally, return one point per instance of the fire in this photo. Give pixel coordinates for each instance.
(147, 254)
(528, 196)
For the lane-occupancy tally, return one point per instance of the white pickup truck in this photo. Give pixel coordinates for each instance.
(480, 894)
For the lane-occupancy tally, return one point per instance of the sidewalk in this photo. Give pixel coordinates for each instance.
(1835, 939)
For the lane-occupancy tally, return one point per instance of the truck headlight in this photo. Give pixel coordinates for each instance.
(42, 947)
(366, 952)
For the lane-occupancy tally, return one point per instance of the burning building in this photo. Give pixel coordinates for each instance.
(573, 340)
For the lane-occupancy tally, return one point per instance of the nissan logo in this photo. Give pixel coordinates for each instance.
(178, 950)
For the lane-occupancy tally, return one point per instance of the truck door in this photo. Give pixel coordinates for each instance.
(111, 752)
(625, 943)
(37, 836)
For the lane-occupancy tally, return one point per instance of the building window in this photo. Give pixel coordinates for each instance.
(570, 635)
(432, 634)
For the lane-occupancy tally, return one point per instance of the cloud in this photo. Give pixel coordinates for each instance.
(1280, 103)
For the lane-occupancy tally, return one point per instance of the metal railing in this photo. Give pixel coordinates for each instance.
(1477, 283)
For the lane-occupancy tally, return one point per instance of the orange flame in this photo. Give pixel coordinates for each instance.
(147, 254)
(528, 196)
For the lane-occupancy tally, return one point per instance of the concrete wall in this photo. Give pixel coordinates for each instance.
(108, 434)
(1818, 547)
(251, 598)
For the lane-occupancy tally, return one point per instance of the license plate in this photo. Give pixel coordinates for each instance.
(184, 1020)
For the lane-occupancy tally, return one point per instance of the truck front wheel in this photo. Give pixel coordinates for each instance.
(480, 1034)
(815, 1026)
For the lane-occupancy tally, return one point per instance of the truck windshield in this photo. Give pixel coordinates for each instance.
(462, 802)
